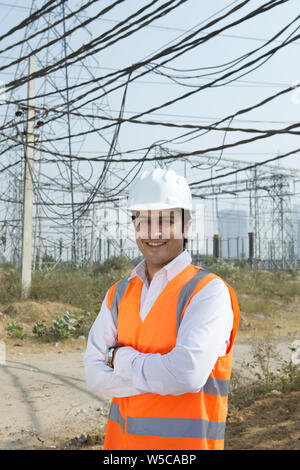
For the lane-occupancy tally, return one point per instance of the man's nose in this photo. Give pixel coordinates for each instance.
(154, 230)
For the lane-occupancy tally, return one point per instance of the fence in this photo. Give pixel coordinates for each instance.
(233, 248)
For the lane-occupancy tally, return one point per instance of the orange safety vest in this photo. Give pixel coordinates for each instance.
(150, 421)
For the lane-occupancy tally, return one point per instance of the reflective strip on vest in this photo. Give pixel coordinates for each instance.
(176, 427)
(118, 294)
(215, 386)
(168, 427)
(184, 295)
(147, 424)
(115, 415)
(186, 292)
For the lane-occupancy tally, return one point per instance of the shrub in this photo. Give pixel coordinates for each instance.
(115, 263)
(17, 330)
(40, 330)
(64, 326)
(9, 284)
(270, 372)
(222, 268)
(80, 287)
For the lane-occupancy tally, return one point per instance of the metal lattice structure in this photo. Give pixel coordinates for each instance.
(61, 186)
(270, 190)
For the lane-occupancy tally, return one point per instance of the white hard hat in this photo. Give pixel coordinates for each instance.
(159, 189)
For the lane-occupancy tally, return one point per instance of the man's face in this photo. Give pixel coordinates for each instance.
(159, 234)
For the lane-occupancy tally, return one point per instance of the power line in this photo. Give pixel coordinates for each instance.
(249, 167)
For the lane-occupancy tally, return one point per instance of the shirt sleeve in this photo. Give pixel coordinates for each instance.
(100, 377)
(203, 336)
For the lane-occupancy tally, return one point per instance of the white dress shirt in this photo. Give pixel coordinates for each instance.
(202, 337)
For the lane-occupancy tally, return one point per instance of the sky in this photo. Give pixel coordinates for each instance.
(152, 90)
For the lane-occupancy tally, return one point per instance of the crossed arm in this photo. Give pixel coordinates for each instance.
(202, 337)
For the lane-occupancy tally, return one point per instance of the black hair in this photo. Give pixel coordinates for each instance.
(186, 216)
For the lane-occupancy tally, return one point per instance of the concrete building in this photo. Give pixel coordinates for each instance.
(233, 228)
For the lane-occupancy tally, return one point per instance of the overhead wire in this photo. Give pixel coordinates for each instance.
(202, 87)
(175, 100)
(136, 120)
(89, 46)
(131, 119)
(43, 30)
(135, 66)
(170, 50)
(34, 16)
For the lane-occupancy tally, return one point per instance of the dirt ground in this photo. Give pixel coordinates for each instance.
(270, 423)
(44, 402)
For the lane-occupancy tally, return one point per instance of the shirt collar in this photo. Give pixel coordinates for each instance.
(171, 269)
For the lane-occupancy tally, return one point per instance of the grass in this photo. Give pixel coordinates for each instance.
(270, 373)
(79, 290)
(260, 293)
(82, 288)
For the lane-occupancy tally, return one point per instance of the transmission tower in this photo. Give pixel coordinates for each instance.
(62, 185)
(270, 190)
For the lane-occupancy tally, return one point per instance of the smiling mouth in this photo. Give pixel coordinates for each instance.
(155, 244)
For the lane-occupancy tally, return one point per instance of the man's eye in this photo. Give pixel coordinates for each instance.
(164, 221)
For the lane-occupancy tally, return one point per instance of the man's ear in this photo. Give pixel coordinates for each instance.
(187, 227)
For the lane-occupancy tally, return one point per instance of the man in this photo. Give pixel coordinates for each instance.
(161, 345)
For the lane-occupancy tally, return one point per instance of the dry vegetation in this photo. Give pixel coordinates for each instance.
(268, 300)
(263, 413)
(53, 294)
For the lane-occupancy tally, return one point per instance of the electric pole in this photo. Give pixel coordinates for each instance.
(28, 191)
(74, 242)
